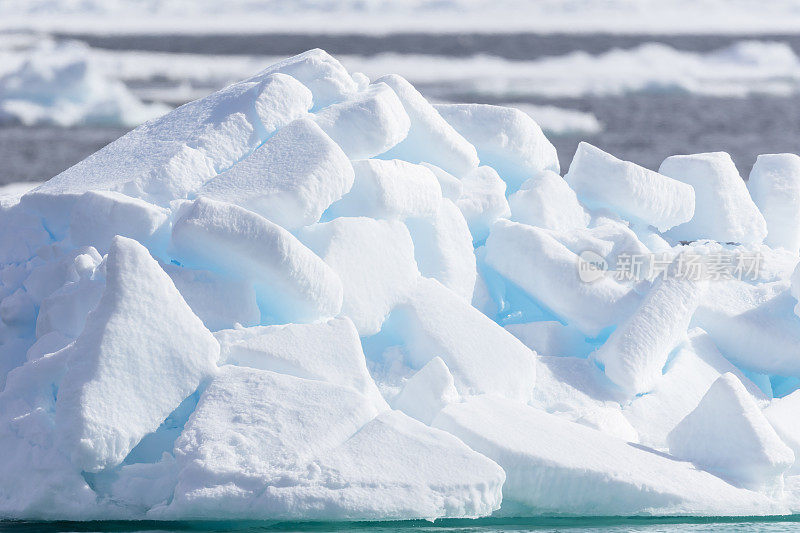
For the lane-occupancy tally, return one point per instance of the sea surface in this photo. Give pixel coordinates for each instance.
(644, 126)
(488, 525)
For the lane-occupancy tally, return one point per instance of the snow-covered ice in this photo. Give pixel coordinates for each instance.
(603, 181)
(559, 466)
(634, 355)
(723, 210)
(309, 296)
(727, 433)
(507, 139)
(774, 185)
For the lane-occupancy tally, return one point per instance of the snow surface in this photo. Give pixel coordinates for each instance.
(309, 296)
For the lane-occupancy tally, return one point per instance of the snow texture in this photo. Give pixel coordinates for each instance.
(724, 210)
(309, 296)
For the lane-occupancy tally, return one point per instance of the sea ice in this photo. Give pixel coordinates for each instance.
(367, 123)
(434, 321)
(374, 259)
(554, 465)
(506, 139)
(141, 346)
(483, 200)
(774, 185)
(98, 216)
(268, 445)
(443, 248)
(291, 281)
(724, 210)
(430, 139)
(550, 337)
(545, 200)
(427, 392)
(690, 371)
(389, 189)
(546, 270)
(782, 415)
(290, 179)
(326, 351)
(386, 343)
(728, 434)
(603, 181)
(635, 354)
(184, 148)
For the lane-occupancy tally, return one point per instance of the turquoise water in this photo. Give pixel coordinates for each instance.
(644, 525)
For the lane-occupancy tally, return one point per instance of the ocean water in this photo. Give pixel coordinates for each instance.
(487, 525)
(642, 126)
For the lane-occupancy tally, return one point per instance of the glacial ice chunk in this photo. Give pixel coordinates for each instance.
(554, 465)
(140, 354)
(728, 434)
(724, 210)
(545, 200)
(636, 193)
(430, 139)
(367, 123)
(482, 356)
(374, 260)
(290, 179)
(506, 139)
(292, 283)
(427, 392)
(774, 185)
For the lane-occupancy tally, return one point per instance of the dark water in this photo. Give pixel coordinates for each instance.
(641, 127)
(38, 153)
(517, 46)
(574, 525)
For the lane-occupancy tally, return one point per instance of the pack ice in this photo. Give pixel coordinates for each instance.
(309, 296)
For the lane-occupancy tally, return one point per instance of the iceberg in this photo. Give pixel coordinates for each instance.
(312, 296)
